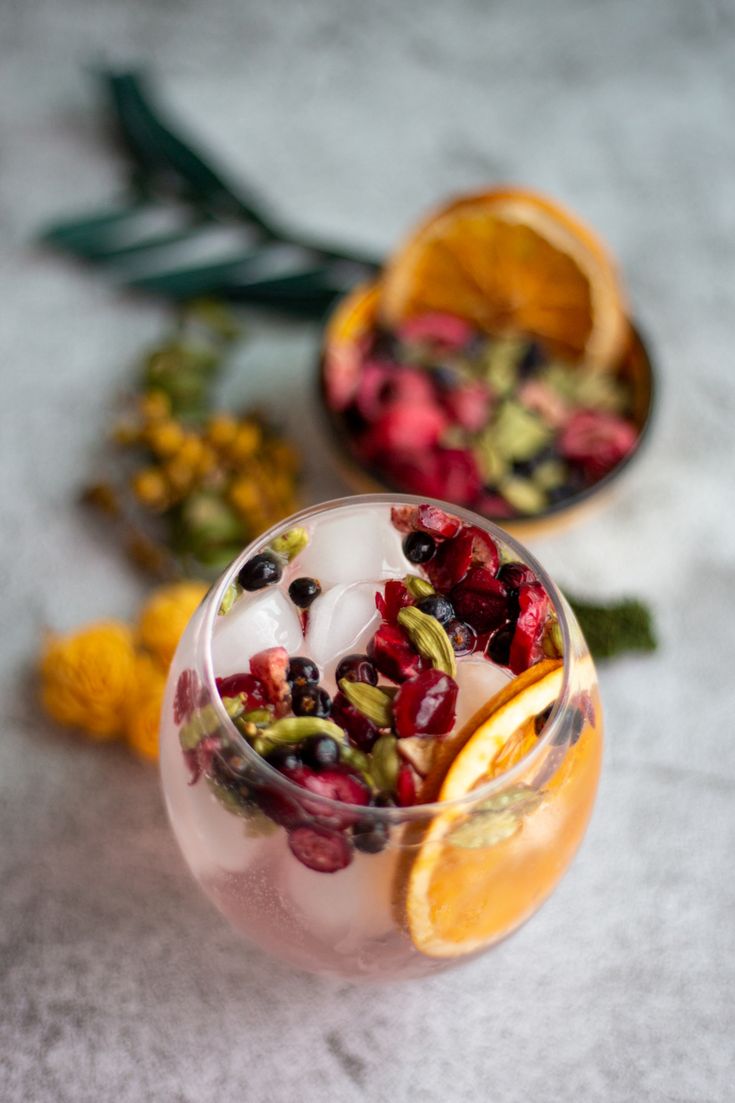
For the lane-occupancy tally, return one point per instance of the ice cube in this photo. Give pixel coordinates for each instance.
(210, 837)
(354, 544)
(478, 681)
(340, 618)
(344, 907)
(267, 619)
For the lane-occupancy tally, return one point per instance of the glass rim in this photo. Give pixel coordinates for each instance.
(213, 601)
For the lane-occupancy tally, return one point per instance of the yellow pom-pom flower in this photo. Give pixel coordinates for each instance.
(87, 678)
(165, 615)
(144, 709)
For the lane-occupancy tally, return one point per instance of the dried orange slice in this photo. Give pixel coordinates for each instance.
(462, 892)
(512, 261)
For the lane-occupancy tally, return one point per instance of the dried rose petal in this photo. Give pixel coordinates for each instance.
(448, 473)
(396, 597)
(468, 406)
(187, 696)
(404, 518)
(403, 429)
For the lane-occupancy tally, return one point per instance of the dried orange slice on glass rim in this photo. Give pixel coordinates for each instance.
(461, 894)
(512, 261)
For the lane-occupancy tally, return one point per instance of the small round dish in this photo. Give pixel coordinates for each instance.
(347, 330)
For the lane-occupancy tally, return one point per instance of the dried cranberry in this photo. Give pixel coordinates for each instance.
(533, 606)
(424, 705)
(393, 655)
(320, 848)
(395, 598)
(481, 600)
(188, 696)
(361, 732)
(451, 562)
(406, 786)
(247, 684)
(356, 668)
(435, 521)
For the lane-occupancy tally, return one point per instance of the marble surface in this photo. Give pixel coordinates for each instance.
(118, 980)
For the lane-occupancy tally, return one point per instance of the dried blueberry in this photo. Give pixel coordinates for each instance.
(259, 572)
(302, 672)
(311, 701)
(418, 547)
(319, 751)
(437, 606)
(357, 668)
(302, 591)
(369, 837)
(284, 757)
(461, 636)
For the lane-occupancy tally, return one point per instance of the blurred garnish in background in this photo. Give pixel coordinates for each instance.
(186, 485)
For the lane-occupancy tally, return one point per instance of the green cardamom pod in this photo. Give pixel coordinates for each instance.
(553, 642)
(203, 722)
(418, 587)
(496, 819)
(232, 593)
(384, 763)
(234, 706)
(429, 638)
(290, 543)
(359, 761)
(292, 729)
(371, 701)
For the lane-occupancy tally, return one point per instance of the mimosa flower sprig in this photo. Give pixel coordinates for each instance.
(178, 206)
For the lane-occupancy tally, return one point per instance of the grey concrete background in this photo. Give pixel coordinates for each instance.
(118, 980)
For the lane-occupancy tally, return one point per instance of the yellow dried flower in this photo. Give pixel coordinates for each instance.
(178, 475)
(222, 430)
(190, 450)
(245, 495)
(87, 678)
(166, 438)
(154, 405)
(165, 615)
(150, 487)
(246, 443)
(143, 714)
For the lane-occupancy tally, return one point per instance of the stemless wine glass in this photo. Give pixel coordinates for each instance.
(445, 880)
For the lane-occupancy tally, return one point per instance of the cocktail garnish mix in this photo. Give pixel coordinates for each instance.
(444, 647)
(500, 425)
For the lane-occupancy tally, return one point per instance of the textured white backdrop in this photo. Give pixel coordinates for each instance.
(118, 980)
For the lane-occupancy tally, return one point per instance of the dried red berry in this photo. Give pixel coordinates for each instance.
(468, 405)
(533, 609)
(448, 473)
(452, 561)
(320, 848)
(270, 667)
(393, 655)
(190, 695)
(435, 521)
(404, 518)
(484, 549)
(395, 598)
(481, 600)
(515, 575)
(406, 786)
(335, 783)
(425, 705)
(236, 684)
(448, 331)
(596, 441)
(404, 428)
(361, 732)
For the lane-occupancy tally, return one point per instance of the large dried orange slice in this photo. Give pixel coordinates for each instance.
(512, 261)
(466, 886)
